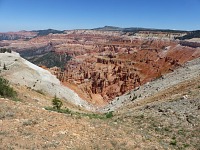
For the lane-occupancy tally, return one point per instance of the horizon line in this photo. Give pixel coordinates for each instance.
(122, 28)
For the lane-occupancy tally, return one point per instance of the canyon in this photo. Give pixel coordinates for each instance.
(100, 65)
(148, 82)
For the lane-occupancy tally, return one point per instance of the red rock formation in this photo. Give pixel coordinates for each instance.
(109, 73)
(106, 64)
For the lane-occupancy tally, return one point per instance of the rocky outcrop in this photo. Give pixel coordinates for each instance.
(107, 64)
(188, 74)
(10, 36)
(159, 35)
(21, 72)
(190, 44)
(117, 69)
(17, 35)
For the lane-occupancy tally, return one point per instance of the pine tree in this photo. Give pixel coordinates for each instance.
(4, 67)
(57, 103)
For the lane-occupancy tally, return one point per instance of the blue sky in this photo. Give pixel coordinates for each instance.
(18, 15)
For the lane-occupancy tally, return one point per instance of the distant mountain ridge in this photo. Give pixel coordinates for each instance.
(134, 29)
(131, 30)
(190, 35)
(47, 31)
(108, 28)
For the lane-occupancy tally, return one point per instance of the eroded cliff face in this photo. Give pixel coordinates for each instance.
(101, 71)
(17, 35)
(107, 64)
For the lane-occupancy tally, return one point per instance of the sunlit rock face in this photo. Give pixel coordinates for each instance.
(109, 67)
(106, 64)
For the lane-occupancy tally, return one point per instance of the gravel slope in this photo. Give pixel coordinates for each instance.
(170, 120)
(189, 71)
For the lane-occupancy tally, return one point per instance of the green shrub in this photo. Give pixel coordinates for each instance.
(57, 103)
(91, 116)
(109, 114)
(186, 145)
(3, 50)
(6, 90)
(173, 142)
(66, 111)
